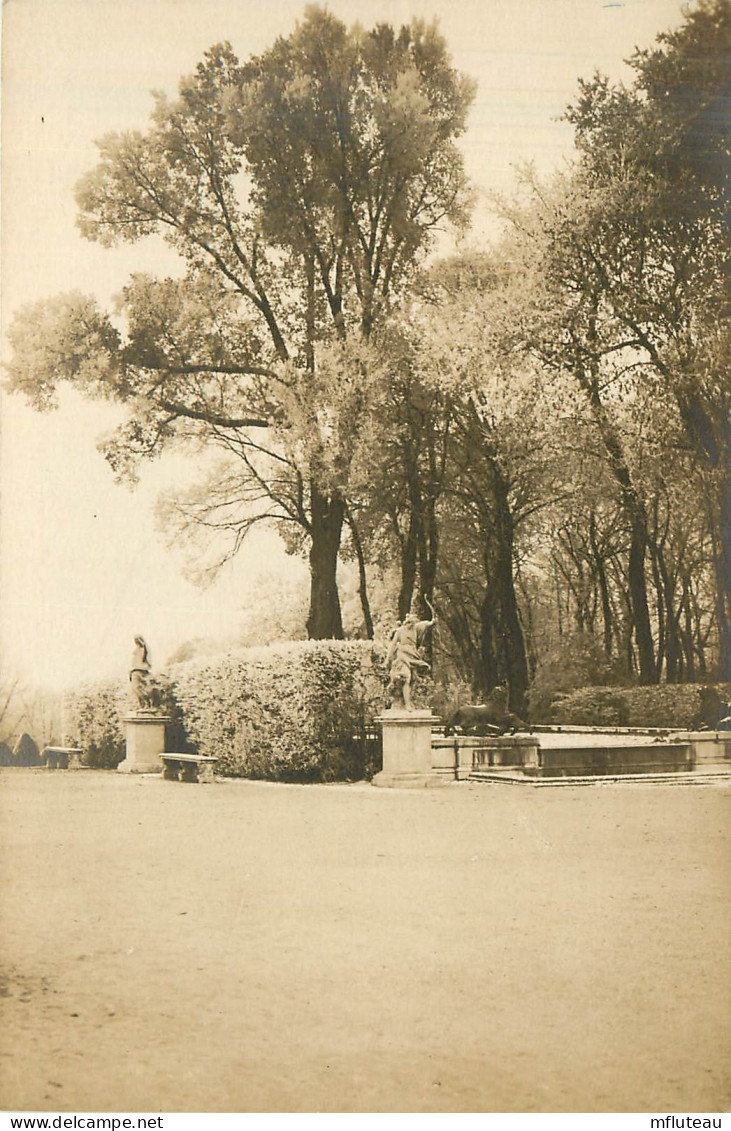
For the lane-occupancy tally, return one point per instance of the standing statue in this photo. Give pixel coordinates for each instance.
(139, 674)
(402, 657)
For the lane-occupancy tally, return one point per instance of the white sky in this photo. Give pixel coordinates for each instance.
(82, 568)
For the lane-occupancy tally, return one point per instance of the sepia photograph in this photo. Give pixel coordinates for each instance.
(365, 461)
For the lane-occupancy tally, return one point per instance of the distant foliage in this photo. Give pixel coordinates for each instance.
(291, 712)
(667, 705)
(590, 706)
(574, 661)
(448, 695)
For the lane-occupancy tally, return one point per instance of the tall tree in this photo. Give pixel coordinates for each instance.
(654, 163)
(403, 473)
(300, 191)
(633, 250)
(498, 459)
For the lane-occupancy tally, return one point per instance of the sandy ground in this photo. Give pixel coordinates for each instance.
(250, 947)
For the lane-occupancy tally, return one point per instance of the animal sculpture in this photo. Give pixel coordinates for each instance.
(488, 718)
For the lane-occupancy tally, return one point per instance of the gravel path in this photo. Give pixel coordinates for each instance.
(251, 947)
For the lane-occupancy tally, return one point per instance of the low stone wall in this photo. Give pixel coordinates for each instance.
(709, 749)
(457, 757)
(614, 751)
(612, 759)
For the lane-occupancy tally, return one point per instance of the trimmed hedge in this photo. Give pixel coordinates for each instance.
(94, 713)
(301, 712)
(291, 712)
(662, 705)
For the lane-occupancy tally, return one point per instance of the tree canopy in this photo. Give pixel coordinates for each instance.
(538, 435)
(300, 190)
(633, 254)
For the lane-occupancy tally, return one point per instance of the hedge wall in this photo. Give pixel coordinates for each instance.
(94, 720)
(663, 705)
(289, 712)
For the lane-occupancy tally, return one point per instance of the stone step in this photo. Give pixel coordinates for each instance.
(678, 778)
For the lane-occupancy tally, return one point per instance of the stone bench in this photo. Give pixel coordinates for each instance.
(187, 767)
(63, 758)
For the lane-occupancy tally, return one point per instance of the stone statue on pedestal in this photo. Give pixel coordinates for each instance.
(403, 658)
(145, 687)
(145, 726)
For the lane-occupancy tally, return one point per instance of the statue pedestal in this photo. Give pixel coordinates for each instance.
(145, 735)
(407, 756)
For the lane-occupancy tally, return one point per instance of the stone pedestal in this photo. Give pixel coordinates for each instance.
(407, 753)
(710, 749)
(145, 735)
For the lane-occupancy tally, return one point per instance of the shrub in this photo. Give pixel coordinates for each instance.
(591, 706)
(572, 662)
(26, 753)
(661, 705)
(289, 712)
(94, 714)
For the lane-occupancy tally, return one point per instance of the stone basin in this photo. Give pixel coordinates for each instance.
(583, 752)
(612, 758)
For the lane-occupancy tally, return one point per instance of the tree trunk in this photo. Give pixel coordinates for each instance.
(673, 634)
(324, 621)
(687, 633)
(511, 632)
(428, 551)
(713, 442)
(362, 577)
(511, 638)
(722, 562)
(663, 640)
(606, 604)
(408, 567)
(638, 599)
(634, 509)
(486, 675)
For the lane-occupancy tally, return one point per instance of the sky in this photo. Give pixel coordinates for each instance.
(83, 567)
